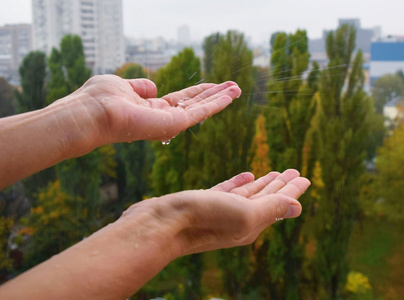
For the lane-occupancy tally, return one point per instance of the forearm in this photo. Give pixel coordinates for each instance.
(111, 264)
(36, 140)
(118, 260)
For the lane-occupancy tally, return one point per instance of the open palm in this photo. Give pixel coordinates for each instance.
(232, 213)
(132, 111)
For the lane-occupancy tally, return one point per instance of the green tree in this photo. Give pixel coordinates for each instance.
(67, 68)
(345, 112)
(82, 177)
(400, 73)
(55, 223)
(288, 119)
(225, 140)
(131, 70)
(259, 94)
(387, 190)
(33, 76)
(6, 263)
(260, 165)
(387, 88)
(172, 162)
(227, 136)
(169, 172)
(273, 38)
(6, 98)
(210, 46)
(184, 70)
(132, 169)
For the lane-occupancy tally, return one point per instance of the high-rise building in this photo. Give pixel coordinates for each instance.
(15, 43)
(97, 22)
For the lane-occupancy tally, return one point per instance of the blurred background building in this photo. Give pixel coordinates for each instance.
(387, 56)
(97, 22)
(364, 38)
(184, 35)
(15, 43)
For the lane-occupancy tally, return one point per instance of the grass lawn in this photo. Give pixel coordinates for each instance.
(377, 251)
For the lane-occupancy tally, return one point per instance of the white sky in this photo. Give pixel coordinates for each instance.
(255, 18)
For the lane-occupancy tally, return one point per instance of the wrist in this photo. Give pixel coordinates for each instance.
(158, 222)
(112, 263)
(80, 124)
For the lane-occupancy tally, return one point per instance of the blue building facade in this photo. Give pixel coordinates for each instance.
(386, 57)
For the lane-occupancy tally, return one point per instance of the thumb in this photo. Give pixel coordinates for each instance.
(277, 206)
(145, 88)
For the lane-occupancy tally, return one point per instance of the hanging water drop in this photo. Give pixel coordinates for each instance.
(278, 219)
(165, 143)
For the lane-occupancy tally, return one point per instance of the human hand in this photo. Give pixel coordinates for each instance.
(232, 213)
(120, 258)
(132, 112)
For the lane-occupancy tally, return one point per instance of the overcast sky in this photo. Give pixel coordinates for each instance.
(255, 18)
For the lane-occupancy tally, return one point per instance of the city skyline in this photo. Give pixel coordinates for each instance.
(257, 19)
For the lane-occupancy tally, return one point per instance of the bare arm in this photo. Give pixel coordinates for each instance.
(119, 259)
(106, 109)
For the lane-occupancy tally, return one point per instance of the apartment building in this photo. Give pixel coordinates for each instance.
(15, 43)
(97, 22)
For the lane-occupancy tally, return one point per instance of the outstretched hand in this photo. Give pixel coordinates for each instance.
(230, 214)
(132, 111)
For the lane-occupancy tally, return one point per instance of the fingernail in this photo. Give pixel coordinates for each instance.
(293, 211)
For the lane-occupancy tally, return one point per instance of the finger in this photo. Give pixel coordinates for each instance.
(188, 93)
(145, 88)
(278, 183)
(254, 187)
(200, 113)
(227, 88)
(271, 208)
(295, 188)
(233, 92)
(236, 181)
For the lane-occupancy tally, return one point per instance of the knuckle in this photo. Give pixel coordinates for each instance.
(281, 209)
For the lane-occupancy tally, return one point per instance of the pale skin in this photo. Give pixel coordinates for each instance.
(119, 259)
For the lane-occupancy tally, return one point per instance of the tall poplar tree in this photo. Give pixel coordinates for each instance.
(67, 68)
(225, 139)
(172, 161)
(345, 112)
(210, 45)
(171, 165)
(260, 164)
(33, 78)
(6, 98)
(288, 116)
